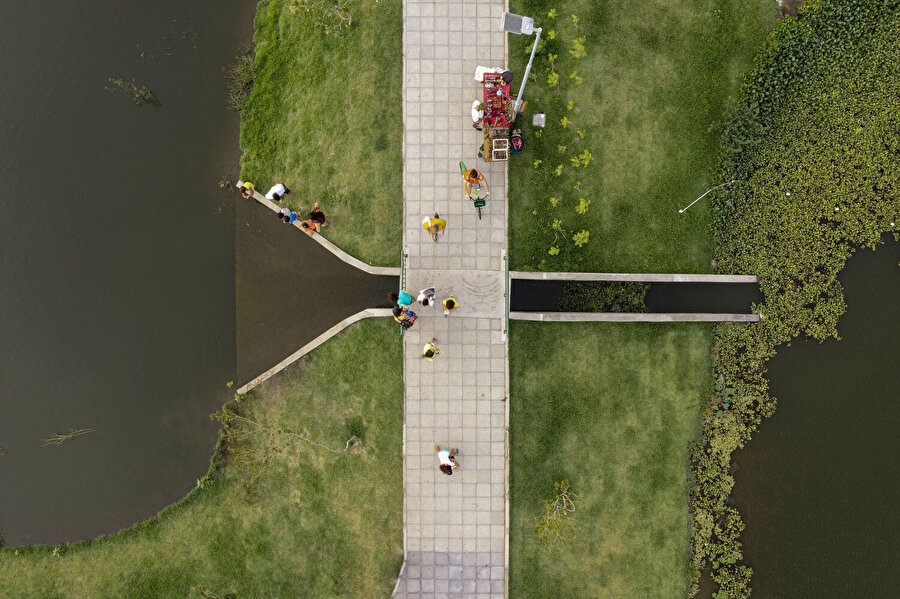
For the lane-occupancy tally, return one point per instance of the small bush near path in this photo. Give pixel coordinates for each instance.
(813, 144)
(325, 118)
(633, 93)
(306, 523)
(612, 410)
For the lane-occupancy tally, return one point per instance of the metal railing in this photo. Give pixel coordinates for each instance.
(403, 257)
(506, 298)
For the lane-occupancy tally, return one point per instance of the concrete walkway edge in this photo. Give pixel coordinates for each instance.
(455, 541)
(636, 277)
(352, 261)
(630, 317)
(367, 313)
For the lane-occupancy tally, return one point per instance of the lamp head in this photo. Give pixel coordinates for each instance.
(517, 24)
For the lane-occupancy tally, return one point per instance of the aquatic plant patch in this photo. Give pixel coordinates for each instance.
(603, 296)
(814, 149)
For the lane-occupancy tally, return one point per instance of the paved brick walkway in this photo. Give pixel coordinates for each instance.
(455, 526)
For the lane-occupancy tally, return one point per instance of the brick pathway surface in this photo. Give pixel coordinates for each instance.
(455, 526)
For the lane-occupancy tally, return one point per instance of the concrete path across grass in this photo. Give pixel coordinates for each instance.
(454, 526)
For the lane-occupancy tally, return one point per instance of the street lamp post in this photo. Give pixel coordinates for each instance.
(683, 210)
(520, 25)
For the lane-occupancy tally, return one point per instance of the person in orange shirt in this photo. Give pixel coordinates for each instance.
(474, 185)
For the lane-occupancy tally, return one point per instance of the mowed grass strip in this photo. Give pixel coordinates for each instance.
(312, 525)
(643, 98)
(325, 118)
(612, 408)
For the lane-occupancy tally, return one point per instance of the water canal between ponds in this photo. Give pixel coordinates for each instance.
(817, 486)
(124, 308)
(544, 296)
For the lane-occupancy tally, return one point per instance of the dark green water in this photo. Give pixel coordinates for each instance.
(818, 485)
(117, 308)
(133, 288)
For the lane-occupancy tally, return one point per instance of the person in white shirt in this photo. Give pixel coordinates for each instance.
(447, 458)
(277, 192)
(426, 297)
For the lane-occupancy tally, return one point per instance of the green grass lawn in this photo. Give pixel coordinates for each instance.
(643, 100)
(612, 408)
(312, 525)
(325, 118)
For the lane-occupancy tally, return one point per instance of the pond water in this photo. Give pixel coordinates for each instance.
(118, 302)
(123, 306)
(817, 486)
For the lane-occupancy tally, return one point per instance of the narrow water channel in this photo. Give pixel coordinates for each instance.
(290, 290)
(543, 296)
(818, 486)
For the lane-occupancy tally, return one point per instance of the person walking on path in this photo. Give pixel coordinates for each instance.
(277, 192)
(435, 226)
(426, 297)
(474, 185)
(247, 190)
(317, 218)
(447, 458)
(403, 299)
(450, 304)
(431, 350)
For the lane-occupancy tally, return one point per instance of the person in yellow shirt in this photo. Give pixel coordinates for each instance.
(450, 304)
(246, 190)
(431, 350)
(435, 226)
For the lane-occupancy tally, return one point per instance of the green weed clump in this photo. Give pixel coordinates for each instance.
(813, 146)
(603, 296)
(139, 94)
(240, 75)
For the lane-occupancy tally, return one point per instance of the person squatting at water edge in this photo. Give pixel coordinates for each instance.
(288, 216)
(406, 318)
